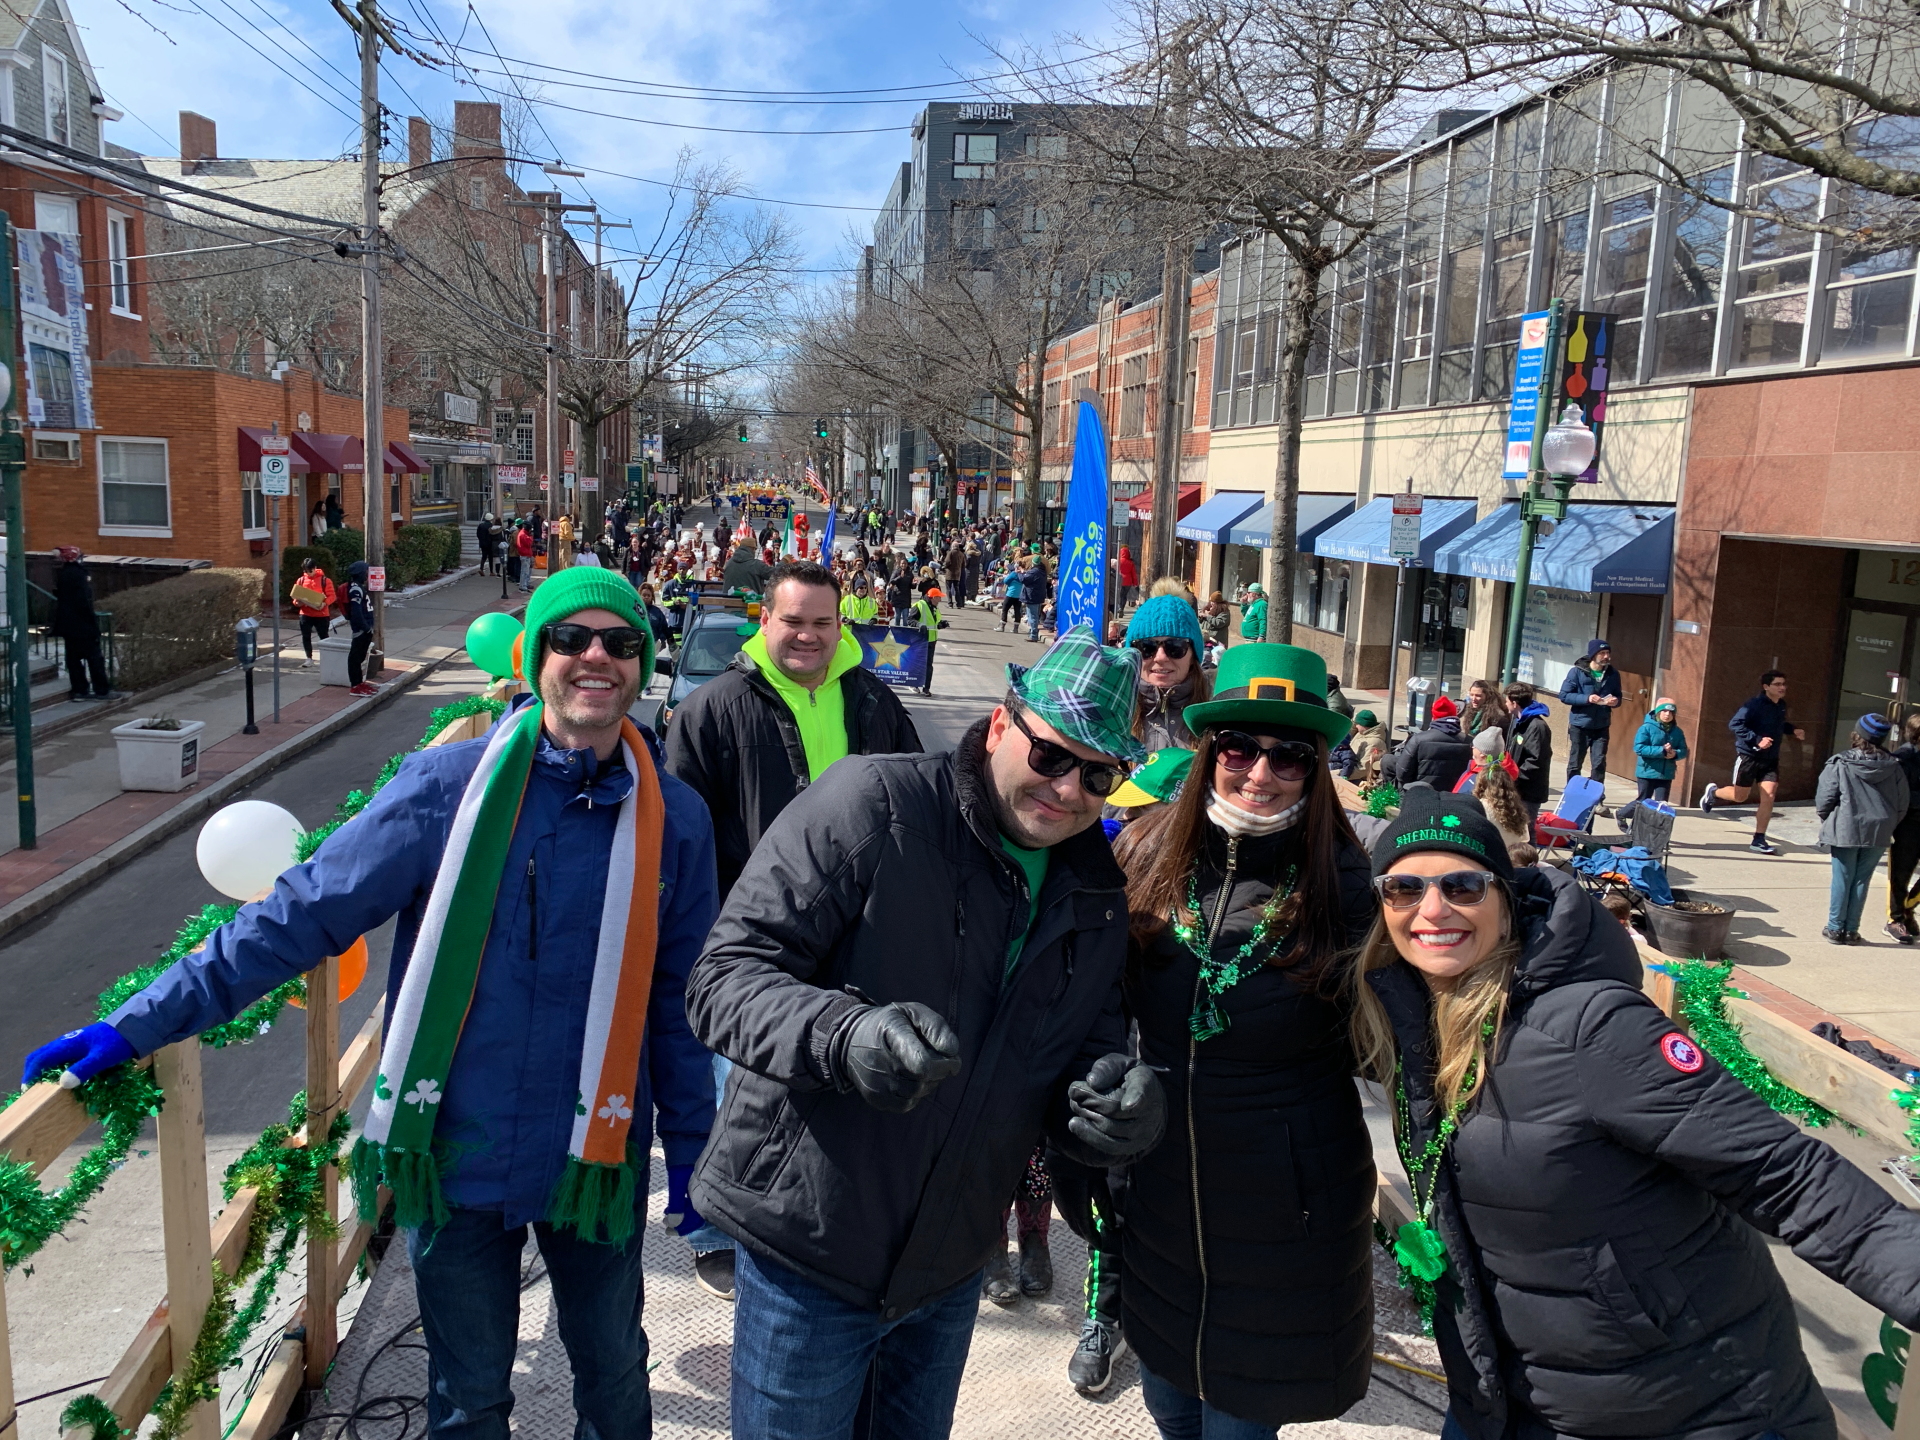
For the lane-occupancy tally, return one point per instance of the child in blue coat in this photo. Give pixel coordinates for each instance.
(1658, 747)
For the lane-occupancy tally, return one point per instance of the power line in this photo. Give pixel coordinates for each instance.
(683, 125)
(272, 62)
(521, 95)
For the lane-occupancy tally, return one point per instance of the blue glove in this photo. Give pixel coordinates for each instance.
(82, 1054)
(681, 1218)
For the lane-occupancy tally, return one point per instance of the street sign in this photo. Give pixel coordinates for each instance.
(567, 477)
(1403, 538)
(544, 486)
(376, 578)
(566, 459)
(1120, 513)
(276, 474)
(1528, 361)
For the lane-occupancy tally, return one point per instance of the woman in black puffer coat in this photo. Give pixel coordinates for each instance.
(1246, 1234)
(1598, 1267)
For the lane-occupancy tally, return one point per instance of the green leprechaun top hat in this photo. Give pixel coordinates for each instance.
(1270, 686)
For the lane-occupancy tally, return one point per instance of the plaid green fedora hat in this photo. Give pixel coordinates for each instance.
(1272, 685)
(1085, 690)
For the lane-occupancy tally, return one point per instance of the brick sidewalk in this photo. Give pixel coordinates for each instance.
(89, 834)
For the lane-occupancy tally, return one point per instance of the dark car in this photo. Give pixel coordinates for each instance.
(713, 638)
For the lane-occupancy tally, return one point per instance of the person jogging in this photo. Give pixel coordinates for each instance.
(1758, 728)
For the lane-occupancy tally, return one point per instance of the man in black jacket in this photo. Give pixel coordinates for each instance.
(1530, 743)
(74, 621)
(1758, 728)
(1437, 756)
(917, 974)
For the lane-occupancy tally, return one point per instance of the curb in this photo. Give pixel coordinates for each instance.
(38, 902)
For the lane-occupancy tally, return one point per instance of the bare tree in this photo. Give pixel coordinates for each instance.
(1270, 116)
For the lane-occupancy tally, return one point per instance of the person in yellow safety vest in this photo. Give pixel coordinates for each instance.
(859, 607)
(926, 615)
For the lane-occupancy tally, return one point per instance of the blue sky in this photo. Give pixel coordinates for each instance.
(286, 83)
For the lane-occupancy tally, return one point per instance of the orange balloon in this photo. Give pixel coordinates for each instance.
(352, 970)
(518, 658)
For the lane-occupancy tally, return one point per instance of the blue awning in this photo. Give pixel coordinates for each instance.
(1625, 549)
(1364, 535)
(1210, 521)
(1311, 515)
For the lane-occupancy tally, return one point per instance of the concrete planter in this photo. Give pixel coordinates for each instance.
(333, 660)
(164, 760)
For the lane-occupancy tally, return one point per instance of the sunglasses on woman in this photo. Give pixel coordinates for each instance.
(1459, 888)
(1097, 777)
(1286, 759)
(1171, 646)
(621, 642)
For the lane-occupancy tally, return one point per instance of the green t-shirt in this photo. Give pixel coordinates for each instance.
(1033, 865)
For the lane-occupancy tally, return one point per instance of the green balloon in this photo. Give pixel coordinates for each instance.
(490, 643)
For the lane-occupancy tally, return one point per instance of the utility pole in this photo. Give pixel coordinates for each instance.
(597, 355)
(552, 208)
(1176, 281)
(13, 472)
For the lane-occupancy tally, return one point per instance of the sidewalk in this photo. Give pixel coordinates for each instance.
(88, 825)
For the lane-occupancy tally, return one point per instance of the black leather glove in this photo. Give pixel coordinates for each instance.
(895, 1055)
(1119, 1110)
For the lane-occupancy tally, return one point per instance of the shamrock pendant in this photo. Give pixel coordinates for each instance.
(1208, 1020)
(1420, 1249)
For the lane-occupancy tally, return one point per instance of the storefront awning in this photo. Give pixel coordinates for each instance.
(403, 459)
(1312, 514)
(1364, 535)
(331, 454)
(1210, 521)
(1625, 549)
(1141, 507)
(250, 437)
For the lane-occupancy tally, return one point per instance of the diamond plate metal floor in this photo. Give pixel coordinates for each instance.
(1015, 1386)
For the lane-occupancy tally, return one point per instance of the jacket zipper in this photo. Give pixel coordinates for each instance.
(1193, 1137)
(533, 912)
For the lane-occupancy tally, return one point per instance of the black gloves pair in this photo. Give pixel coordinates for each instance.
(1119, 1111)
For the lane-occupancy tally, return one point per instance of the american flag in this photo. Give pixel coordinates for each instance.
(813, 477)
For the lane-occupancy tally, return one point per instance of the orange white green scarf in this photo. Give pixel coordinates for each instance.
(595, 1194)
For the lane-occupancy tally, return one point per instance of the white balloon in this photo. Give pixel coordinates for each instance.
(244, 846)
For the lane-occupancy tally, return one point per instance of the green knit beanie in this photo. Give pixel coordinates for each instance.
(577, 588)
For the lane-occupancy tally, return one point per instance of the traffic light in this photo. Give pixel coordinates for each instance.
(743, 432)
(820, 430)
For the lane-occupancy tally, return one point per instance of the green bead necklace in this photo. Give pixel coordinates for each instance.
(1417, 1247)
(1219, 976)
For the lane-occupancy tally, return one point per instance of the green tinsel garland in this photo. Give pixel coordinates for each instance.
(91, 1410)
(1381, 797)
(1701, 989)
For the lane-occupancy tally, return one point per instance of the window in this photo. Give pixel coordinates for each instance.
(530, 256)
(1133, 396)
(133, 486)
(1110, 283)
(523, 439)
(53, 78)
(56, 447)
(1776, 260)
(971, 226)
(253, 505)
(1870, 287)
(1690, 289)
(1046, 147)
(1320, 592)
(1466, 227)
(477, 193)
(974, 156)
(1050, 415)
(119, 267)
(1622, 259)
(59, 213)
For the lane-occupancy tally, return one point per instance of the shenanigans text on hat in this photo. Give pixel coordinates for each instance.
(1454, 824)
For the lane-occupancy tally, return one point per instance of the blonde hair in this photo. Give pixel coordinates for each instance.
(1170, 585)
(1460, 1015)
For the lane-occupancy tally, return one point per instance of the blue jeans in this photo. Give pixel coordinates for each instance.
(707, 1239)
(1853, 867)
(1452, 1429)
(809, 1366)
(467, 1278)
(1181, 1416)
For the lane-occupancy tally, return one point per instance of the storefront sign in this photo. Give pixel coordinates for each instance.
(1403, 534)
(511, 474)
(1528, 363)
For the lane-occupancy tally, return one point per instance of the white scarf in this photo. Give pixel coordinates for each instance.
(1235, 821)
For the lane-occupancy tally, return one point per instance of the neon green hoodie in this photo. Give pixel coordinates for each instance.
(821, 714)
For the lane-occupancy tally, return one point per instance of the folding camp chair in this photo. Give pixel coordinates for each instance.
(1572, 817)
(1649, 825)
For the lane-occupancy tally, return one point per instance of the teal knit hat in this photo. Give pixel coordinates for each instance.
(1164, 617)
(577, 588)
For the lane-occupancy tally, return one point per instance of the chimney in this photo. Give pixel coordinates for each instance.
(197, 142)
(419, 143)
(476, 128)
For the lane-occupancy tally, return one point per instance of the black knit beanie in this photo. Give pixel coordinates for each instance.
(1431, 820)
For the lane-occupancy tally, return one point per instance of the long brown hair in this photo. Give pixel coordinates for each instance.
(1202, 692)
(1159, 850)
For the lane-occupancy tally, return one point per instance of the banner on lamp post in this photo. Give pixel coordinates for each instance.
(1585, 371)
(1528, 361)
(1082, 593)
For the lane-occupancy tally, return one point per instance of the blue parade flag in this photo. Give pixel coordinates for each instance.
(825, 557)
(1081, 593)
(896, 654)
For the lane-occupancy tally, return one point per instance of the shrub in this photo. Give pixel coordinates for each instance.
(346, 545)
(451, 536)
(169, 627)
(413, 556)
(293, 560)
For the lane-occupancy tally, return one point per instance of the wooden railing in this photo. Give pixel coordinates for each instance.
(38, 1127)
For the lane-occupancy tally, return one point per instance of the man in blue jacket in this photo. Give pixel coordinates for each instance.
(600, 870)
(1758, 728)
(1591, 693)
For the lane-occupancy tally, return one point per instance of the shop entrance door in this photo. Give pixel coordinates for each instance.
(1879, 643)
(1440, 629)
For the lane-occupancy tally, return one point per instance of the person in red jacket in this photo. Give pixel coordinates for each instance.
(523, 547)
(314, 619)
(1129, 575)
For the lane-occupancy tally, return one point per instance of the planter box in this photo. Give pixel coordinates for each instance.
(333, 660)
(158, 759)
(1688, 934)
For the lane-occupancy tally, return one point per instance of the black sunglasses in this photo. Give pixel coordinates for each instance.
(1097, 777)
(1459, 888)
(1172, 646)
(621, 642)
(1286, 759)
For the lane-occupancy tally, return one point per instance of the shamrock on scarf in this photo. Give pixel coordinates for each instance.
(380, 1087)
(616, 1108)
(423, 1094)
